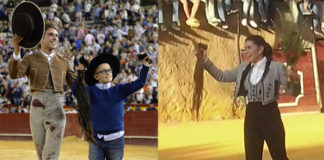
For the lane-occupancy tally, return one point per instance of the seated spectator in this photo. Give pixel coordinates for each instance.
(191, 16)
(6, 28)
(3, 93)
(151, 108)
(148, 98)
(10, 4)
(175, 14)
(308, 10)
(139, 96)
(4, 108)
(264, 12)
(321, 18)
(78, 10)
(248, 12)
(21, 109)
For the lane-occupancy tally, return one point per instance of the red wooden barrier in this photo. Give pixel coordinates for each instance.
(142, 123)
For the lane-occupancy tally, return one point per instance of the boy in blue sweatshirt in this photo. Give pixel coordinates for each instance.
(107, 104)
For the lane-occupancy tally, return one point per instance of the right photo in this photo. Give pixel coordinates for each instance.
(241, 79)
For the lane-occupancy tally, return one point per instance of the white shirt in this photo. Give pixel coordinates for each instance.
(49, 57)
(257, 71)
(103, 86)
(87, 7)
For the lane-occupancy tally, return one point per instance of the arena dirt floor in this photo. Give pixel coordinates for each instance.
(223, 140)
(72, 149)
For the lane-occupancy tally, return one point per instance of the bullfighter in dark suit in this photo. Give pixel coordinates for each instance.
(260, 80)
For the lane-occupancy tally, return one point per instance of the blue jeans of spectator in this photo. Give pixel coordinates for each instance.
(248, 8)
(16, 101)
(109, 150)
(263, 9)
(220, 8)
(313, 9)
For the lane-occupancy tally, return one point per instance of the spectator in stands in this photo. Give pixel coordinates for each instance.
(17, 94)
(54, 7)
(10, 4)
(10, 92)
(57, 20)
(78, 10)
(97, 13)
(26, 95)
(71, 11)
(148, 98)
(87, 9)
(69, 100)
(3, 66)
(135, 7)
(80, 33)
(191, 20)
(155, 96)
(140, 96)
(6, 28)
(3, 92)
(21, 109)
(308, 10)
(321, 18)
(248, 12)
(44, 14)
(151, 108)
(4, 108)
(264, 12)
(66, 18)
(222, 13)
(89, 38)
(175, 14)
(101, 37)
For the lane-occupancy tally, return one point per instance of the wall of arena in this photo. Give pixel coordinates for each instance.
(138, 124)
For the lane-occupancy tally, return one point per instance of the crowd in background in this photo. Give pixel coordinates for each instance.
(253, 13)
(87, 28)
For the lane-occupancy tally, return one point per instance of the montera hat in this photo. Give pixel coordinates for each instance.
(28, 22)
(95, 62)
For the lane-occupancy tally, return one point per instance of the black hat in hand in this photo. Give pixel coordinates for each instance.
(28, 22)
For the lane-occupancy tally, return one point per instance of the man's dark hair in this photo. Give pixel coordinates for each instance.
(49, 25)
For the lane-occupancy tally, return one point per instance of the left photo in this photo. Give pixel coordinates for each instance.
(78, 79)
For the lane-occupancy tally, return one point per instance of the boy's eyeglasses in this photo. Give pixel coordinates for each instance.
(106, 71)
